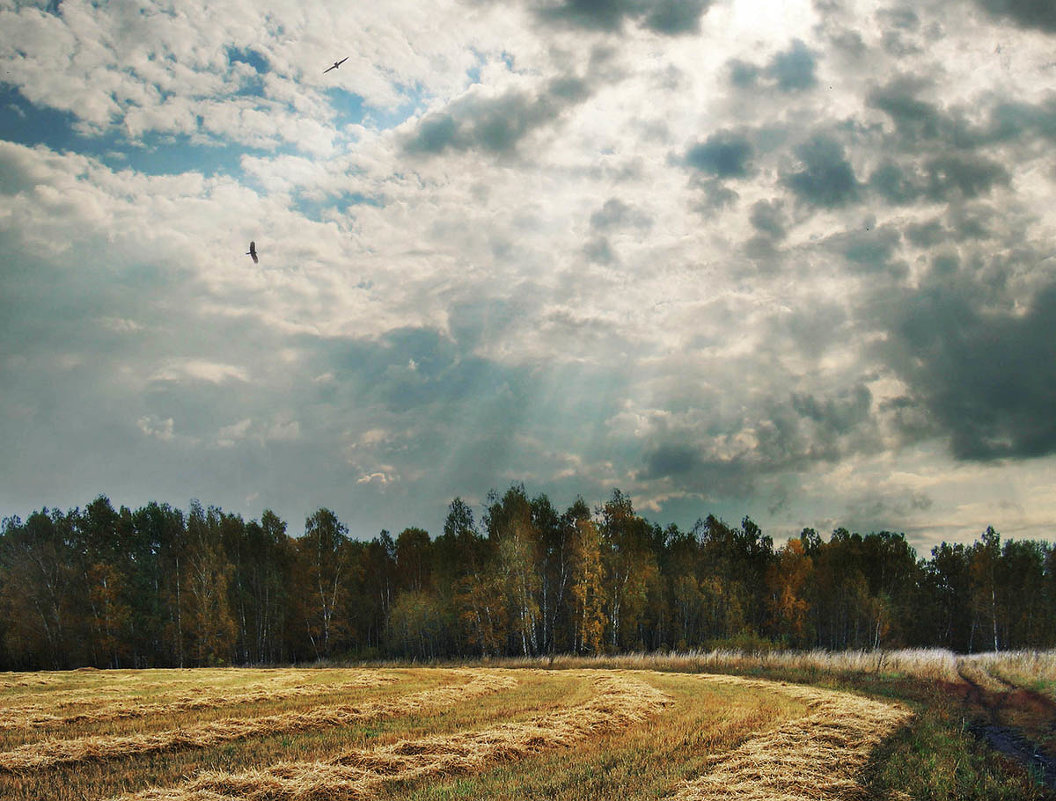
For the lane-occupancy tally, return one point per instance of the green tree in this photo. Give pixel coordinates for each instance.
(984, 560)
(324, 560)
(417, 624)
(586, 587)
(786, 579)
(631, 570)
(206, 611)
(37, 575)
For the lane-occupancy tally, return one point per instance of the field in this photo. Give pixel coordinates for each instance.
(692, 727)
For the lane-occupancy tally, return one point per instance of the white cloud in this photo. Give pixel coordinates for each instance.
(153, 427)
(200, 370)
(417, 319)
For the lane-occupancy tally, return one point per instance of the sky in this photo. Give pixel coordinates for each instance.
(787, 259)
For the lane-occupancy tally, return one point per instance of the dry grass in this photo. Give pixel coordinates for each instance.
(63, 691)
(927, 664)
(48, 753)
(1034, 670)
(620, 701)
(817, 756)
(35, 715)
(1021, 668)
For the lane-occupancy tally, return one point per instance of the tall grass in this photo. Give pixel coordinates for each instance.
(1023, 668)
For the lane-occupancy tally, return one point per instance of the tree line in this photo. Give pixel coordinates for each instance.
(158, 587)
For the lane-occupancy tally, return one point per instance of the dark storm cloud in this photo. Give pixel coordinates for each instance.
(810, 331)
(768, 218)
(904, 18)
(674, 17)
(496, 124)
(899, 31)
(985, 379)
(1009, 121)
(827, 179)
(617, 214)
(869, 251)
(926, 234)
(802, 430)
(940, 178)
(915, 120)
(416, 368)
(793, 69)
(715, 196)
(666, 17)
(671, 460)
(724, 154)
(600, 251)
(894, 185)
(837, 415)
(1040, 14)
(743, 75)
(922, 124)
(965, 175)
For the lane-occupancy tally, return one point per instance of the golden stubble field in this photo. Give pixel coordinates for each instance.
(431, 733)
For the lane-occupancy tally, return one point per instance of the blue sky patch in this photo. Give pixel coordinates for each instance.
(24, 123)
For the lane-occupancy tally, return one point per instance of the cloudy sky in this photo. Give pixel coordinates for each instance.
(782, 258)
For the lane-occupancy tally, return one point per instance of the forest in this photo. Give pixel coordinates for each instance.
(160, 587)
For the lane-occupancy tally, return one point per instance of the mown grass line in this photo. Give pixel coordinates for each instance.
(47, 753)
(649, 761)
(820, 755)
(620, 700)
(535, 692)
(935, 759)
(34, 717)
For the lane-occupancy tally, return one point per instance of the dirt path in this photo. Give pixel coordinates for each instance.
(1010, 742)
(1000, 704)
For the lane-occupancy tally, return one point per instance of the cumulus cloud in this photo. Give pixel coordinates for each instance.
(494, 125)
(724, 154)
(726, 260)
(826, 178)
(666, 17)
(983, 376)
(1028, 13)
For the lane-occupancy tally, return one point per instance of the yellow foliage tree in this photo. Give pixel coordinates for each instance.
(786, 580)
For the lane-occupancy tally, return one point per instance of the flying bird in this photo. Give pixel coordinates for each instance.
(252, 251)
(336, 64)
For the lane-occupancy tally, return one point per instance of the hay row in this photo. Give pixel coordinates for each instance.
(819, 755)
(32, 716)
(122, 683)
(620, 701)
(47, 753)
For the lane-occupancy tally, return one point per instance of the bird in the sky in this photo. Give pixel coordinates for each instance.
(252, 251)
(335, 65)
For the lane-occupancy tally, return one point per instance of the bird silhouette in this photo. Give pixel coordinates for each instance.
(252, 251)
(335, 65)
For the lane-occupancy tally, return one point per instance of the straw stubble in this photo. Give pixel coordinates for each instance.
(818, 756)
(47, 753)
(620, 700)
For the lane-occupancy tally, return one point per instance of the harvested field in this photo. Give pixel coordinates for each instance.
(432, 733)
(619, 701)
(820, 755)
(35, 756)
(36, 715)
